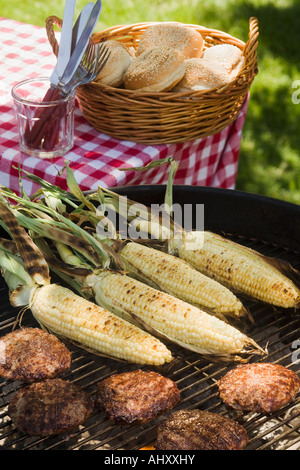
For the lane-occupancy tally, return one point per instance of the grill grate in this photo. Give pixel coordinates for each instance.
(195, 376)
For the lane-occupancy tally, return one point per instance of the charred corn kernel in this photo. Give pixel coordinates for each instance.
(240, 269)
(72, 316)
(181, 322)
(178, 278)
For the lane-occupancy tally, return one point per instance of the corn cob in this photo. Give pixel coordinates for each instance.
(175, 276)
(240, 268)
(71, 316)
(169, 316)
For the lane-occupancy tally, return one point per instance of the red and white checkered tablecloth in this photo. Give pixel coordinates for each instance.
(96, 158)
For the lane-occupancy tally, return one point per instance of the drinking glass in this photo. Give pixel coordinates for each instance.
(45, 118)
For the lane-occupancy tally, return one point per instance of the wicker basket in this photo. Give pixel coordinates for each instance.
(164, 117)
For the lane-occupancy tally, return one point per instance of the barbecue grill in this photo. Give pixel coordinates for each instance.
(267, 225)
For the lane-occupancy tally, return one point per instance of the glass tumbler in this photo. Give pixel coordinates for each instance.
(45, 118)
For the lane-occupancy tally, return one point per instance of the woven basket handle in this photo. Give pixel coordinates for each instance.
(253, 34)
(252, 43)
(51, 21)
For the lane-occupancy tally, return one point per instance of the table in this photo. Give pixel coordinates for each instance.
(96, 158)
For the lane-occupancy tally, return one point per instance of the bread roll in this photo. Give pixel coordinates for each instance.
(114, 70)
(228, 55)
(177, 36)
(157, 69)
(202, 74)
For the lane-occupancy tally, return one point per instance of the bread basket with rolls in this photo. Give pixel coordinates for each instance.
(167, 82)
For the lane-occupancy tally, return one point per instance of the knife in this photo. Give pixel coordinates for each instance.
(64, 50)
(81, 45)
(80, 24)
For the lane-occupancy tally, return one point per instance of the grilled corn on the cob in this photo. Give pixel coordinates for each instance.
(169, 316)
(67, 314)
(239, 268)
(175, 276)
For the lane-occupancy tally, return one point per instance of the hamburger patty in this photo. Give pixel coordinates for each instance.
(136, 396)
(261, 387)
(200, 430)
(31, 354)
(50, 407)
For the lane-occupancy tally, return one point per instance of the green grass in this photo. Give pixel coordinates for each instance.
(270, 150)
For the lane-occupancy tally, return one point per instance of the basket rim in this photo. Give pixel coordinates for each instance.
(166, 95)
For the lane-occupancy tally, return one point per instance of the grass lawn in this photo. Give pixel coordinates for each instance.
(270, 149)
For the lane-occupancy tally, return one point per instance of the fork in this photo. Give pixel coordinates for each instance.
(44, 132)
(93, 61)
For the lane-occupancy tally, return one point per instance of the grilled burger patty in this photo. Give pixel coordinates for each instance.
(200, 430)
(50, 407)
(31, 354)
(259, 387)
(136, 396)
